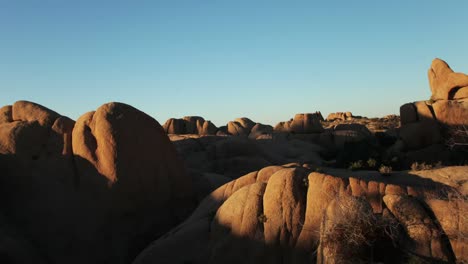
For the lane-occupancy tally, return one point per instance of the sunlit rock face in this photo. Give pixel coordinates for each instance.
(94, 191)
(445, 83)
(291, 214)
(340, 116)
(190, 125)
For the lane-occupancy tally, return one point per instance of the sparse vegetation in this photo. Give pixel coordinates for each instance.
(354, 222)
(352, 226)
(420, 166)
(385, 170)
(262, 218)
(356, 165)
(416, 166)
(372, 163)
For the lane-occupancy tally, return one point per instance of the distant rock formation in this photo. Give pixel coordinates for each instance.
(290, 214)
(240, 126)
(259, 130)
(245, 127)
(302, 124)
(94, 191)
(190, 125)
(340, 116)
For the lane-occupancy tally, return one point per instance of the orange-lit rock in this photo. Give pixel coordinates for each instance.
(445, 83)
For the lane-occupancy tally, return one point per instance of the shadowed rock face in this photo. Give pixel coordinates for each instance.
(302, 124)
(240, 126)
(292, 215)
(100, 189)
(437, 129)
(94, 191)
(219, 159)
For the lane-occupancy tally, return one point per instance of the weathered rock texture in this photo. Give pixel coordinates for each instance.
(94, 191)
(302, 124)
(190, 125)
(446, 84)
(339, 116)
(437, 121)
(288, 214)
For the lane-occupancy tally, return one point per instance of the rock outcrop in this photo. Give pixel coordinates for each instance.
(94, 191)
(240, 126)
(245, 127)
(290, 214)
(446, 84)
(441, 120)
(339, 116)
(190, 125)
(260, 130)
(302, 124)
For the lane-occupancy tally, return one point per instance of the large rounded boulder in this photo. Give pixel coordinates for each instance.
(291, 214)
(94, 191)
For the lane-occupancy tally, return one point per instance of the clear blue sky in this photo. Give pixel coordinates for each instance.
(224, 59)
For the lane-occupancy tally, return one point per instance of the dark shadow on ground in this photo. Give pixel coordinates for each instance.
(59, 215)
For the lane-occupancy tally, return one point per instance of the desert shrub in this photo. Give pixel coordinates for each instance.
(416, 166)
(262, 218)
(356, 165)
(305, 182)
(372, 163)
(420, 166)
(354, 223)
(357, 224)
(385, 170)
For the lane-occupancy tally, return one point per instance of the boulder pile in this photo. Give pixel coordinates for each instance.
(428, 127)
